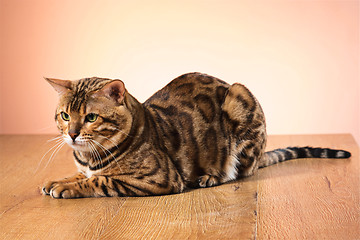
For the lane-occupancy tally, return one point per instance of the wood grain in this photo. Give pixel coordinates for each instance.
(311, 198)
(301, 199)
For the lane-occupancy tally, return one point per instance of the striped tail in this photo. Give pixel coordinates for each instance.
(284, 154)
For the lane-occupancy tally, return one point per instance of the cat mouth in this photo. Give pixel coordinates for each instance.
(78, 145)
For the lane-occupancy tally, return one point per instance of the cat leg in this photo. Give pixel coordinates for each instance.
(49, 185)
(245, 123)
(208, 181)
(95, 186)
(103, 186)
(248, 158)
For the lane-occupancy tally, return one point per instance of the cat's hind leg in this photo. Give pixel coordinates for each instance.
(243, 139)
(248, 156)
(208, 180)
(245, 124)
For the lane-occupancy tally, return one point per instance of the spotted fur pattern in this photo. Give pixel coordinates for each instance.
(198, 131)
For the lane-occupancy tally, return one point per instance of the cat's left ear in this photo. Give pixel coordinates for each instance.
(114, 90)
(61, 86)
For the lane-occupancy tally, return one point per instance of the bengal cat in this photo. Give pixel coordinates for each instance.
(198, 131)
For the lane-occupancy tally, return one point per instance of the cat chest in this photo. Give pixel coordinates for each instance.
(86, 170)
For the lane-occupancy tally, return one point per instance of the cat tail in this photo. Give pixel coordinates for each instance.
(284, 154)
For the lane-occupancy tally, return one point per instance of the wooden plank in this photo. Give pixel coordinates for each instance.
(227, 211)
(310, 198)
(213, 213)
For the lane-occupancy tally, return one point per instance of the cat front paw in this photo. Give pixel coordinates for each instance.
(63, 190)
(47, 187)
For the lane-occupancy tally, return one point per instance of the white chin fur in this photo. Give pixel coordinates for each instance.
(78, 145)
(82, 148)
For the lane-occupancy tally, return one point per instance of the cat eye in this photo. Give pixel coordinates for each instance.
(65, 116)
(91, 117)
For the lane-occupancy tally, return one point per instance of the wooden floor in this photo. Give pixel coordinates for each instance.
(300, 199)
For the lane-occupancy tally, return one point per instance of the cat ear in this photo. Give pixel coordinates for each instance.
(114, 90)
(61, 86)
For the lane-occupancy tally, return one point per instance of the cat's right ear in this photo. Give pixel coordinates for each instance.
(61, 86)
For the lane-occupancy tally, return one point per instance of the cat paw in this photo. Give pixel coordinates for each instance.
(64, 191)
(47, 187)
(208, 181)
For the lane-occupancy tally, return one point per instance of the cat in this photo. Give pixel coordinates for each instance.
(198, 131)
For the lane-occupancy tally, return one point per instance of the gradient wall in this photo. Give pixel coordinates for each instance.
(300, 58)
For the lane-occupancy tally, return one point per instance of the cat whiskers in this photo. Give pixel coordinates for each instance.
(55, 152)
(95, 153)
(114, 144)
(55, 138)
(106, 150)
(92, 151)
(122, 132)
(58, 145)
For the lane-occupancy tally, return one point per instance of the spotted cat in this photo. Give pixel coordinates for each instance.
(198, 131)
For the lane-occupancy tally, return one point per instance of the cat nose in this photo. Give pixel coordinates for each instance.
(73, 135)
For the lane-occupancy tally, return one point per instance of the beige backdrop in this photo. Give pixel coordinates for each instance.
(300, 58)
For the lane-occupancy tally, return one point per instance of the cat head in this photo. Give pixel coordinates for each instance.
(93, 112)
